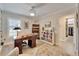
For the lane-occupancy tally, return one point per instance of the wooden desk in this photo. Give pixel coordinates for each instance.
(31, 42)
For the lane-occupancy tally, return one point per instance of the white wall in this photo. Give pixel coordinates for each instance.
(0, 27)
(68, 43)
(58, 21)
(8, 15)
(78, 28)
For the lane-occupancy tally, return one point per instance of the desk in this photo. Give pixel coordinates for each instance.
(31, 41)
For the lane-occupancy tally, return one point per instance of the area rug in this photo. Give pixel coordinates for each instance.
(49, 50)
(44, 49)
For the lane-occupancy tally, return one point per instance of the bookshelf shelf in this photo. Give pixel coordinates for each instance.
(36, 29)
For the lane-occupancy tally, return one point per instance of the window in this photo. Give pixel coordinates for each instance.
(12, 24)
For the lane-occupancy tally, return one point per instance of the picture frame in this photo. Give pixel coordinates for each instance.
(26, 25)
(69, 27)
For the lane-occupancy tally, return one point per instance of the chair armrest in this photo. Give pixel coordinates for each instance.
(14, 52)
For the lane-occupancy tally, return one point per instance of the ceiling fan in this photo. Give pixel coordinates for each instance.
(33, 11)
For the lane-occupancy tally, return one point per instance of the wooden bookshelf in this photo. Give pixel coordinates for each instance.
(36, 29)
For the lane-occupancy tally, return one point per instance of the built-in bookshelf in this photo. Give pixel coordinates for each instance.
(47, 34)
(36, 29)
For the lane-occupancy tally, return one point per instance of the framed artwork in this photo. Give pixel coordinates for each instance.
(69, 27)
(48, 24)
(70, 31)
(26, 25)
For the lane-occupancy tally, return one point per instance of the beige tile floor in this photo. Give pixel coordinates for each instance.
(43, 49)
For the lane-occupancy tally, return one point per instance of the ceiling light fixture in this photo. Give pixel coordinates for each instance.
(32, 14)
(32, 11)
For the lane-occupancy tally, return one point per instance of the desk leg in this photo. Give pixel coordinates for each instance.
(30, 43)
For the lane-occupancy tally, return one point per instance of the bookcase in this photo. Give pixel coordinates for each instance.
(47, 34)
(36, 29)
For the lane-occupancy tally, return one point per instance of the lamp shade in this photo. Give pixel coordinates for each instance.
(17, 28)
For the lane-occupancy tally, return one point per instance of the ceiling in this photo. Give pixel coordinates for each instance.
(41, 8)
